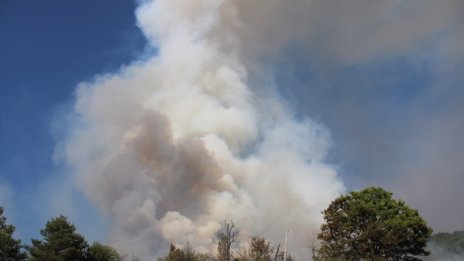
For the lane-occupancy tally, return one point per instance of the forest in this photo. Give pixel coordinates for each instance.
(361, 225)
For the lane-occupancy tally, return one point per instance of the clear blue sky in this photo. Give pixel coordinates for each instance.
(397, 119)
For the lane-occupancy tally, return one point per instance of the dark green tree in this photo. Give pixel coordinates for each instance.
(100, 252)
(10, 248)
(371, 225)
(226, 237)
(60, 242)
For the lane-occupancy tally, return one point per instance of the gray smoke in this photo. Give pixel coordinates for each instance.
(441, 254)
(386, 78)
(171, 146)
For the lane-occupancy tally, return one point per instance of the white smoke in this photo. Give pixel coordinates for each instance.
(172, 146)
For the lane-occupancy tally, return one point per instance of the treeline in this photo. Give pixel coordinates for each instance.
(361, 225)
(257, 249)
(60, 242)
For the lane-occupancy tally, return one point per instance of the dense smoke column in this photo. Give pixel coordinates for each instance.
(173, 145)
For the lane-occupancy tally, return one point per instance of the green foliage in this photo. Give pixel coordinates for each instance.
(370, 225)
(99, 252)
(451, 242)
(10, 248)
(60, 242)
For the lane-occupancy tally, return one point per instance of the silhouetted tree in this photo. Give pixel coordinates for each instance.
(226, 237)
(10, 248)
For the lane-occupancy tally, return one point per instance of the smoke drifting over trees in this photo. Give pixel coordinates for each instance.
(196, 132)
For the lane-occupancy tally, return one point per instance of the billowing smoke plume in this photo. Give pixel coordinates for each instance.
(173, 145)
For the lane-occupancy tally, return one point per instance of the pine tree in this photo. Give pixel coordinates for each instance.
(10, 248)
(60, 242)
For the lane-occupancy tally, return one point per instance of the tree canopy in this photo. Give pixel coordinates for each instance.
(10, 248)
(60, 242)
(100, 252)
(362, 225)
(371, 225)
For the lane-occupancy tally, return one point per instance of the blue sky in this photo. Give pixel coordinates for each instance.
(393, 102)
(47, 48)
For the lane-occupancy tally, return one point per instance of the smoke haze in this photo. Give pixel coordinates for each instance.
(174, 144)
(201, 129)
(385, 77)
